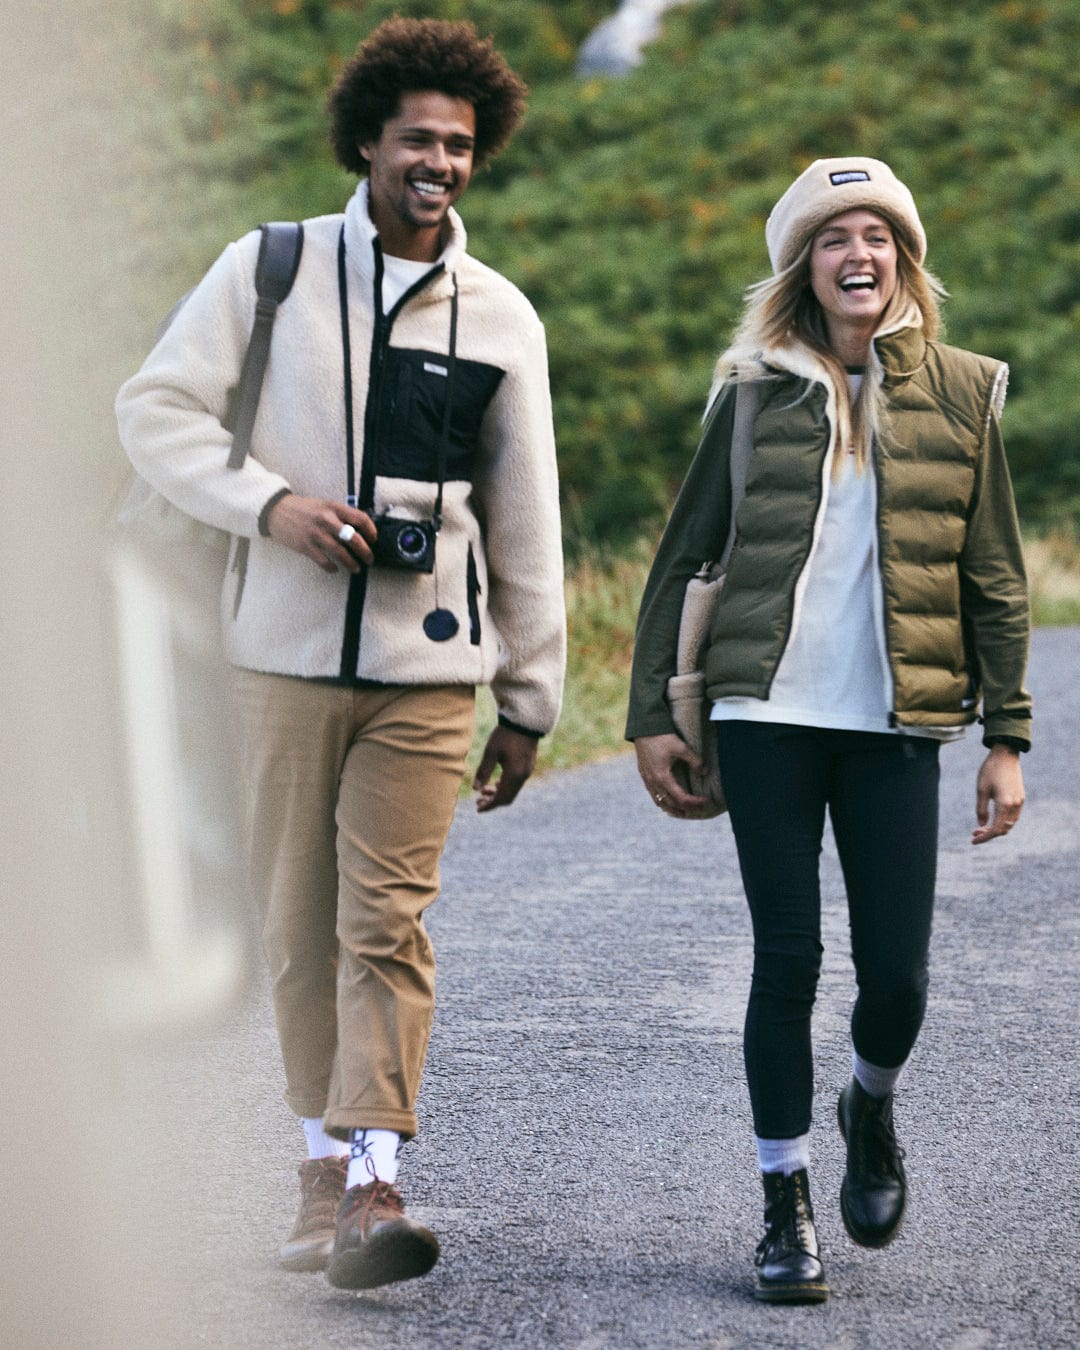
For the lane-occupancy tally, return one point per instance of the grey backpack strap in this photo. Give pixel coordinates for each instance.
(279, 260)
(747, 400)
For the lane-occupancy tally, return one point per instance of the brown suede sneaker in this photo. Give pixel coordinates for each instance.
(376, 1243)
(322, 1184)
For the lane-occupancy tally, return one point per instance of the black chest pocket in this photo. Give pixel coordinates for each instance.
(415, 388)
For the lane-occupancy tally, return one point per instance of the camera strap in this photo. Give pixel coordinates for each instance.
(346, 351)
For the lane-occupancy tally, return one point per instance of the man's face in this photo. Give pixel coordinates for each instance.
(420, 166)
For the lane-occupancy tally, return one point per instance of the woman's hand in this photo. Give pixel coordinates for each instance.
(656, 758)
(1000, 781)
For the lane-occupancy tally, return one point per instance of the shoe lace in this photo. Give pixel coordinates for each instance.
(785, 1222)
(802, 1214)
(326, 1183)
(376, 1196)
(322, 1190)
(881, 1154)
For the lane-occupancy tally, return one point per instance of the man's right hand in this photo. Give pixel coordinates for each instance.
(312, 526)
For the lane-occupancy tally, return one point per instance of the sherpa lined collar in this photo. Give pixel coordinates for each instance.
(360, 235)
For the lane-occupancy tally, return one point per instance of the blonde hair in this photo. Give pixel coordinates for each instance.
(782, 313)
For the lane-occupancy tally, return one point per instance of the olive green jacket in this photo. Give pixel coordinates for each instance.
(952, 573)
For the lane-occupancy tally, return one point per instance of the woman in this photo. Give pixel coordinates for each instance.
(875, 595)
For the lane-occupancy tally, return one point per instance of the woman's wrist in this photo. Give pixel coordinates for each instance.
(1007, 744)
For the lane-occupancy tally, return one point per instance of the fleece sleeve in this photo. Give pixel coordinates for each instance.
(171, 414)
(517, 496)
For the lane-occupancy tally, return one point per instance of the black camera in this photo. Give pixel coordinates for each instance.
(404, 543)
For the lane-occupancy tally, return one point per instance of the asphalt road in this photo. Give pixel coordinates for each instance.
(585, 1152)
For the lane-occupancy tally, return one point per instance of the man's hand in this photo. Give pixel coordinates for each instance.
(515, 753)
(1000, 781)
(656, 758)
(312, 526)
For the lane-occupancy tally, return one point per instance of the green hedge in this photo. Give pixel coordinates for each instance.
(632, 211)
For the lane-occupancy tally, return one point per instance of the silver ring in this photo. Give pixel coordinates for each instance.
(346, 533)
(659, 798)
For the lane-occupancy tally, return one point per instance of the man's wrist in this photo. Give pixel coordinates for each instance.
(522, 731)
(264, 514)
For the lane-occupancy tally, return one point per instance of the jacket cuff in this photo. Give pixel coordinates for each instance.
(1011, 742)
(264, 514)
(659, 724)
(1007, 727)
(522, 731)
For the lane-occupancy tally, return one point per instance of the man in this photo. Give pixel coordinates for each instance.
(401, 504)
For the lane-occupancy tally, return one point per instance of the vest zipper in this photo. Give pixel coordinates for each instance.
(879, 593)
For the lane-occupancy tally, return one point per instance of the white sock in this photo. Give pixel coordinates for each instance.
(874, 1081)
(783, 1155)
(373, 1155)
(319, 1143)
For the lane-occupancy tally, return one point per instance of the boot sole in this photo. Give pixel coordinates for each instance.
(396, 1251)
(314, 1257)
(875, 1242)
(791, 1293)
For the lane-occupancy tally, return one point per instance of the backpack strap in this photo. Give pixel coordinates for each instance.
(279, 260)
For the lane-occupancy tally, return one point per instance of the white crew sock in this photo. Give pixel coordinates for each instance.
(373, 1155)
(319, 1143)
(874, 1081)
(783, 1155)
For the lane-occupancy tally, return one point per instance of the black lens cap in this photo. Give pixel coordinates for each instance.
(440, 625)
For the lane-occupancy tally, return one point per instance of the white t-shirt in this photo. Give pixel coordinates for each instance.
(398, 275)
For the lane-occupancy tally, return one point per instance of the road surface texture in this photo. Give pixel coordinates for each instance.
(585, 1152)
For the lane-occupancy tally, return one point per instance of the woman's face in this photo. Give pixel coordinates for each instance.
(853, 269)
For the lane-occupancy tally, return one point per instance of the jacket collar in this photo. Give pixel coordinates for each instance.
(900, 349)
(360, 236)
(901, 352)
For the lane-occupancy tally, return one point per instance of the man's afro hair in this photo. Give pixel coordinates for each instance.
(405, 55)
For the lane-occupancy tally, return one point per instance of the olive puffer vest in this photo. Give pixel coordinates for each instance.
(953, 585)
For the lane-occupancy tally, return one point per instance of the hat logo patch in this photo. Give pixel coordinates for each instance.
(849, 176)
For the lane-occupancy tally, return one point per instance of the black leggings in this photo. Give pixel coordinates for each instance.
(881, 792)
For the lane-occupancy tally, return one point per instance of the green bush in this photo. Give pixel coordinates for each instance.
(632, 211)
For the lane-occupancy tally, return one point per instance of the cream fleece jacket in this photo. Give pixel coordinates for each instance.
(499, 560)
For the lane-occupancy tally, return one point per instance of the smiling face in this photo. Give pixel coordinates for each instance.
(420, 166)
(853, 273)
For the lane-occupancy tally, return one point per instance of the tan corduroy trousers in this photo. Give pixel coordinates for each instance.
(353, 792)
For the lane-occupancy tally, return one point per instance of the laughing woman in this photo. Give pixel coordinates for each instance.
(875, 604)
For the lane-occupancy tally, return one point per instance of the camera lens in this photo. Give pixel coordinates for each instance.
(412, 543)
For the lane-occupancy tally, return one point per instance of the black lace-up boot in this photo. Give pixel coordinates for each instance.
(789, 1267)
(874, 1192)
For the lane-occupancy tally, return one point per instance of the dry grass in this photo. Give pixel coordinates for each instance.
(1053, 564)
(602, 596)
